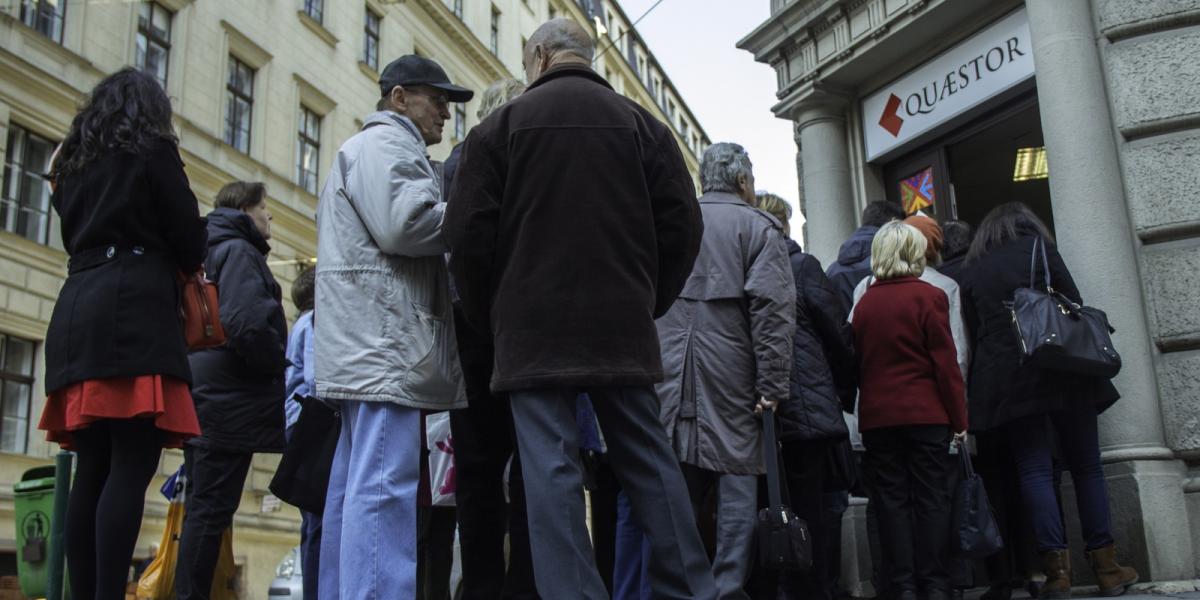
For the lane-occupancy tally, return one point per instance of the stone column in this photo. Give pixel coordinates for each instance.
(825, 179)
(1097, 241)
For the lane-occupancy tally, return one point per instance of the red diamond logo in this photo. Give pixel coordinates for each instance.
(891, 121)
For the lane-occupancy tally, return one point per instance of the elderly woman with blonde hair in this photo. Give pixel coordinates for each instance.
(912, 406)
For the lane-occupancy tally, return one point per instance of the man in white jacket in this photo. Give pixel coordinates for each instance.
(384, 346)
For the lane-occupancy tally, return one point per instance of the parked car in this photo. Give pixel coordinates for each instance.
(289, 578)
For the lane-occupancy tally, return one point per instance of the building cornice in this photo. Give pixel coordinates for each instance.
(468, 42)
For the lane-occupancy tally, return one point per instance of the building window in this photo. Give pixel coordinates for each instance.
(553, 14)
(154, 40)
(460, 122)
(46, 16)
(16, 391)
(371, 39)
(25, 203)
(495, 31)
(239, 105)
(315, 9)
(458, 9)
(684, 130)
(308, 151)
(656, 91)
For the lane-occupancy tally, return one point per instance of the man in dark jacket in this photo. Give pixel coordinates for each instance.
(854, 257)
(572, 225)
(239, 387)
(957, 240)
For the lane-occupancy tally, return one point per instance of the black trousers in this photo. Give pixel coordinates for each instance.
(435, 551)
(910, 466)
(116, 460)
(483, 444)
(215, 481)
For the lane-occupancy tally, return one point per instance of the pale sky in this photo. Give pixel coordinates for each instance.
(729, 93)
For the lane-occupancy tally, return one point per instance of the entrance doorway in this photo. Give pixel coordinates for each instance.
(997, 158)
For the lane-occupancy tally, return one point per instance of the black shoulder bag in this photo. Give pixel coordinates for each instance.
(302, 478)
(975, 531)
(783, 539)
(1057, 334)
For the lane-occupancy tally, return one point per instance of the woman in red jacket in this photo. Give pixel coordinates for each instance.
(912, 407)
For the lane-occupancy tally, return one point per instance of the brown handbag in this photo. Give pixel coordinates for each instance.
(198, 304)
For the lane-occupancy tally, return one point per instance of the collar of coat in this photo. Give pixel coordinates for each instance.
(389, 118)
(721, 198)
(569, 70)
(898, 280)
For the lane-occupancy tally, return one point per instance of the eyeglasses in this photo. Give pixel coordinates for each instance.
(440, 101)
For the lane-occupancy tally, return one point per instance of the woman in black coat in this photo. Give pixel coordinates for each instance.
(1033, 408)
(116, 358)
(811, 424)
(239, 386)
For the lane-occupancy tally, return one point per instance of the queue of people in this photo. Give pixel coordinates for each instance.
(558, 287)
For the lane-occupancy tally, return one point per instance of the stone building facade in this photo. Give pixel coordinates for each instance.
(310, 70)
(1085, 109)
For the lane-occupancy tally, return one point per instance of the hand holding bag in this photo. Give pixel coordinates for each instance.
(976, 533)
(1057, 334)
(783, 539)
(302, 478)
(198, 304)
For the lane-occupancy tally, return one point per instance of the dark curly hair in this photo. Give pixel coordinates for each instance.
(127, 111)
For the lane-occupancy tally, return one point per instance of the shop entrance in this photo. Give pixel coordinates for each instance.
(997, 158)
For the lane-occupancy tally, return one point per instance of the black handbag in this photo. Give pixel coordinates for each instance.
(1057, 334)
(975, 531)
(783, 539)
(302, 478)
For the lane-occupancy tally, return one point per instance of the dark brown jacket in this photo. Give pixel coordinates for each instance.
(572, 224)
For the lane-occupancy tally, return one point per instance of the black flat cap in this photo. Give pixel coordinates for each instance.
(417, 70)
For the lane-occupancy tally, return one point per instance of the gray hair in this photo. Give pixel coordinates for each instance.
(563, 36)
(498, 94)
(723, 162)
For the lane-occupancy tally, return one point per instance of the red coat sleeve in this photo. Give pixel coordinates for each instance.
(940, 344)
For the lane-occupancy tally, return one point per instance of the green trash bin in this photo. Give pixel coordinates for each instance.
(34, 505)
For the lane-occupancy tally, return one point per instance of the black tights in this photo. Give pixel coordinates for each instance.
(116, 460)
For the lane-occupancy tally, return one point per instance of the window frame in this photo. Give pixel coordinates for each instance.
(16, 166)
(248, 97)
(147, 32)
(369, 36)
(32, 9)
(495, 31)
(457, 9)
(460, 122)
(27, 379)
(304, 141)
(317, 7)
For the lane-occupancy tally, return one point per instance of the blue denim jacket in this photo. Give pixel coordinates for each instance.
(298, 380)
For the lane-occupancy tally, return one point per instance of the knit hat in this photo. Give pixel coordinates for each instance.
(932, 232)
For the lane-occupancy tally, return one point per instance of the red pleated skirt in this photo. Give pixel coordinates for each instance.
(165, 399)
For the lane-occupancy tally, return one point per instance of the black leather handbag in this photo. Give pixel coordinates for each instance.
(302, 478)
(783, 539)
(1057, 334)
(975, 531)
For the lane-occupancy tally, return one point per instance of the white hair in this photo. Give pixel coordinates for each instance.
(898, 250)
(723, 162)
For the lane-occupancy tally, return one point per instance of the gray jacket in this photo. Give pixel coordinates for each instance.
(383, 324)
(727, 340)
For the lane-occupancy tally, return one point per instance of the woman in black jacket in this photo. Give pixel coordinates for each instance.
(116, 358)
(239, 386)
(811, 421)
(1033, 408)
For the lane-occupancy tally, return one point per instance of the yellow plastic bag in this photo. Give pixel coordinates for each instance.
(158, 581)
(225, 578)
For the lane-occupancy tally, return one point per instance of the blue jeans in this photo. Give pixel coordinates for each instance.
(630, 578)
(1032, 441)
(310, 552)
(373, 490)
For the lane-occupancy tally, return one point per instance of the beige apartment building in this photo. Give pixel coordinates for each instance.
(263, 91)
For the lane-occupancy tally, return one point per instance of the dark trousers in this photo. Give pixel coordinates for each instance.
(996, 465)
(483, 444)
(604, 515)
(435, 551)
(910, 466)
(116, 460)
(215, 481)
(834, 506)
(310, 552)
(1032, 442)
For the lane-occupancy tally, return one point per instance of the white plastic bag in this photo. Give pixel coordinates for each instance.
(441, 459)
